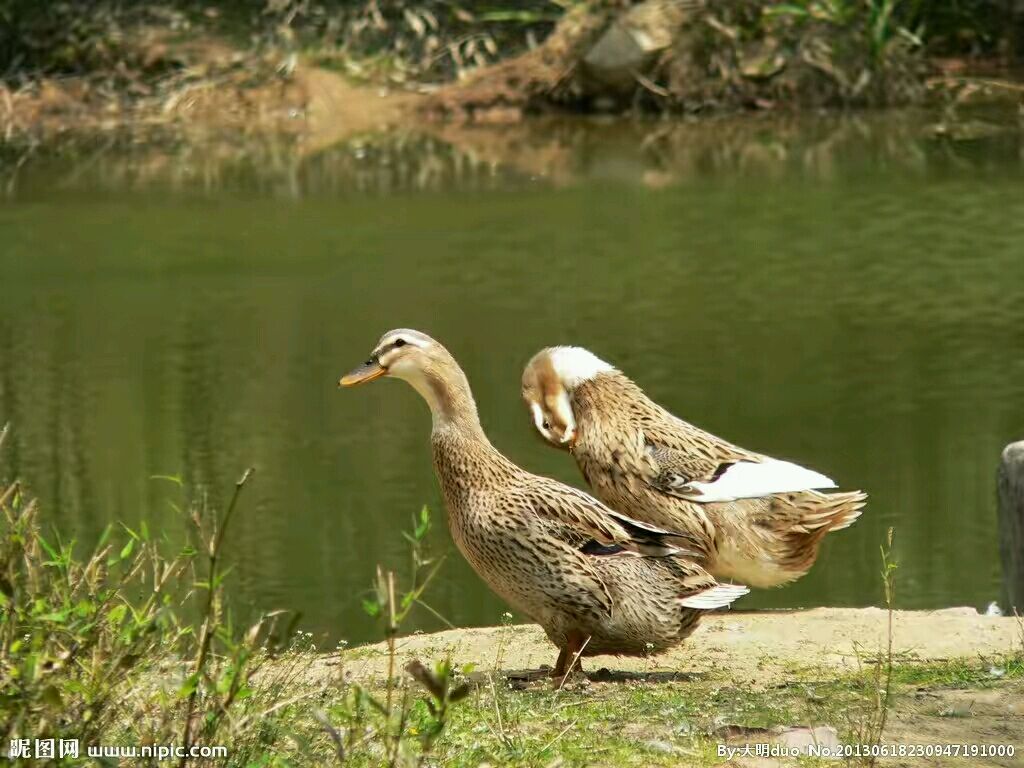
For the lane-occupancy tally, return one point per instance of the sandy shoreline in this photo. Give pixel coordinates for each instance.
(757, 648)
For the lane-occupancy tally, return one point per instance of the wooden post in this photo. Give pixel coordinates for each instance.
(1011, 522)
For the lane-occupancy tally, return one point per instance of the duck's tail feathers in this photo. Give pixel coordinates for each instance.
(717, 596)
(820, 513)
(801, 522)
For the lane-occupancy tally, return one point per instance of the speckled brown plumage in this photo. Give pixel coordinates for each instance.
(588, 575)
(641, 460)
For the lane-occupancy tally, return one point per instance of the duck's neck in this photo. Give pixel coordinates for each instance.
(463, 456)
(602, 398)
(451, 403)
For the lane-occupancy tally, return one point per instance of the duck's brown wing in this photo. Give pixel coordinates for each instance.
(539, 533)
(696, 466)
(676, 471)
(588, 525)
(681, 454)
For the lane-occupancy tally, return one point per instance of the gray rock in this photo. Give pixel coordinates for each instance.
(801, 737)
(632, 42)
(664, 747)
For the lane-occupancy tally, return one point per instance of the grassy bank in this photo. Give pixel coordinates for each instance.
(131, 645)
(661, 721)
(134, 644)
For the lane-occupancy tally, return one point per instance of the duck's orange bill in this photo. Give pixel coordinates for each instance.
(368, 371)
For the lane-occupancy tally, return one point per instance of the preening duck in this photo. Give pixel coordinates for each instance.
(760, 520)
(597, 581)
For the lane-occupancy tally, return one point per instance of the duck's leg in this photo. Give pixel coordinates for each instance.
(563, 659)
(569, 656)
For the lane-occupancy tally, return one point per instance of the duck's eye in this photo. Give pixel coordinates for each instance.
(546, 425)
(400, 343)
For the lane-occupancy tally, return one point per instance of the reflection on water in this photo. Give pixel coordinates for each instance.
(545, 152)
(843, 292)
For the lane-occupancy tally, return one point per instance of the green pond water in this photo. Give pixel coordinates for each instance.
(848, 293)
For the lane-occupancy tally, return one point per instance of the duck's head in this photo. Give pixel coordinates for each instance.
(423, 362)
(406, 354)
(401, 353)
(549, 380)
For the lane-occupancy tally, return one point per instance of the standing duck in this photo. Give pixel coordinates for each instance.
(597, 581)
(760, 520)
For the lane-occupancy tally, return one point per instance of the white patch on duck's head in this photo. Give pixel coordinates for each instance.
(575, 365)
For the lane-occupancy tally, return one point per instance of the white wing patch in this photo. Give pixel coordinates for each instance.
(714, 597)
(751, 480)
